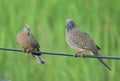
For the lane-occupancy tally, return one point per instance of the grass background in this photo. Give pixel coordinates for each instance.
(99, 18)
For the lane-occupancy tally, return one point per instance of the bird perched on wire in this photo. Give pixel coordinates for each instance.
(81, 41)
(28, 42)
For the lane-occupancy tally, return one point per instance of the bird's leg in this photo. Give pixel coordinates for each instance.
(81, 54)
(24, 50)
(28, 51)
(75, 55)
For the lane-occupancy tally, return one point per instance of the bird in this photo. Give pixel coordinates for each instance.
(28, 43)
(81, 41)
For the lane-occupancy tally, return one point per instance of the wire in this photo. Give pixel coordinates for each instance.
(62, 54)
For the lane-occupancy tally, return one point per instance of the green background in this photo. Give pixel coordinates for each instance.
(99, 18)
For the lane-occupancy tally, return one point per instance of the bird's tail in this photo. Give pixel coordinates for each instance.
(101, 60)
(39, 59)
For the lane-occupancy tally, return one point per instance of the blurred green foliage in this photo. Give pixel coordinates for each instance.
(100, 18)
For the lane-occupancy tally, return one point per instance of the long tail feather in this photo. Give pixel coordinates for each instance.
(101, 60)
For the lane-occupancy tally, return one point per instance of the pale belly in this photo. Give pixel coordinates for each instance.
(73, 45)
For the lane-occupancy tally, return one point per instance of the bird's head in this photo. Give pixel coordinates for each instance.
(70, 24)
(27, 27)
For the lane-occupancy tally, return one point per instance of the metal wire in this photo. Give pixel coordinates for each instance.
(62, 54)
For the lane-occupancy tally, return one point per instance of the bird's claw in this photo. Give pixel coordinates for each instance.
(82, 55)
(26, 51)
(75, 55)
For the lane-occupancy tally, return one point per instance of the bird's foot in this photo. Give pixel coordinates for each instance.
(26, 50)
(76, 54)
(82, 55)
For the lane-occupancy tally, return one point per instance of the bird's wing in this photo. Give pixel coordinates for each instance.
(82, 40)
(89, 39)
(33, 42)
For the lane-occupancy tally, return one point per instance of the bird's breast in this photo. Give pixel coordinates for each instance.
(23, 40)
(71, 43)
